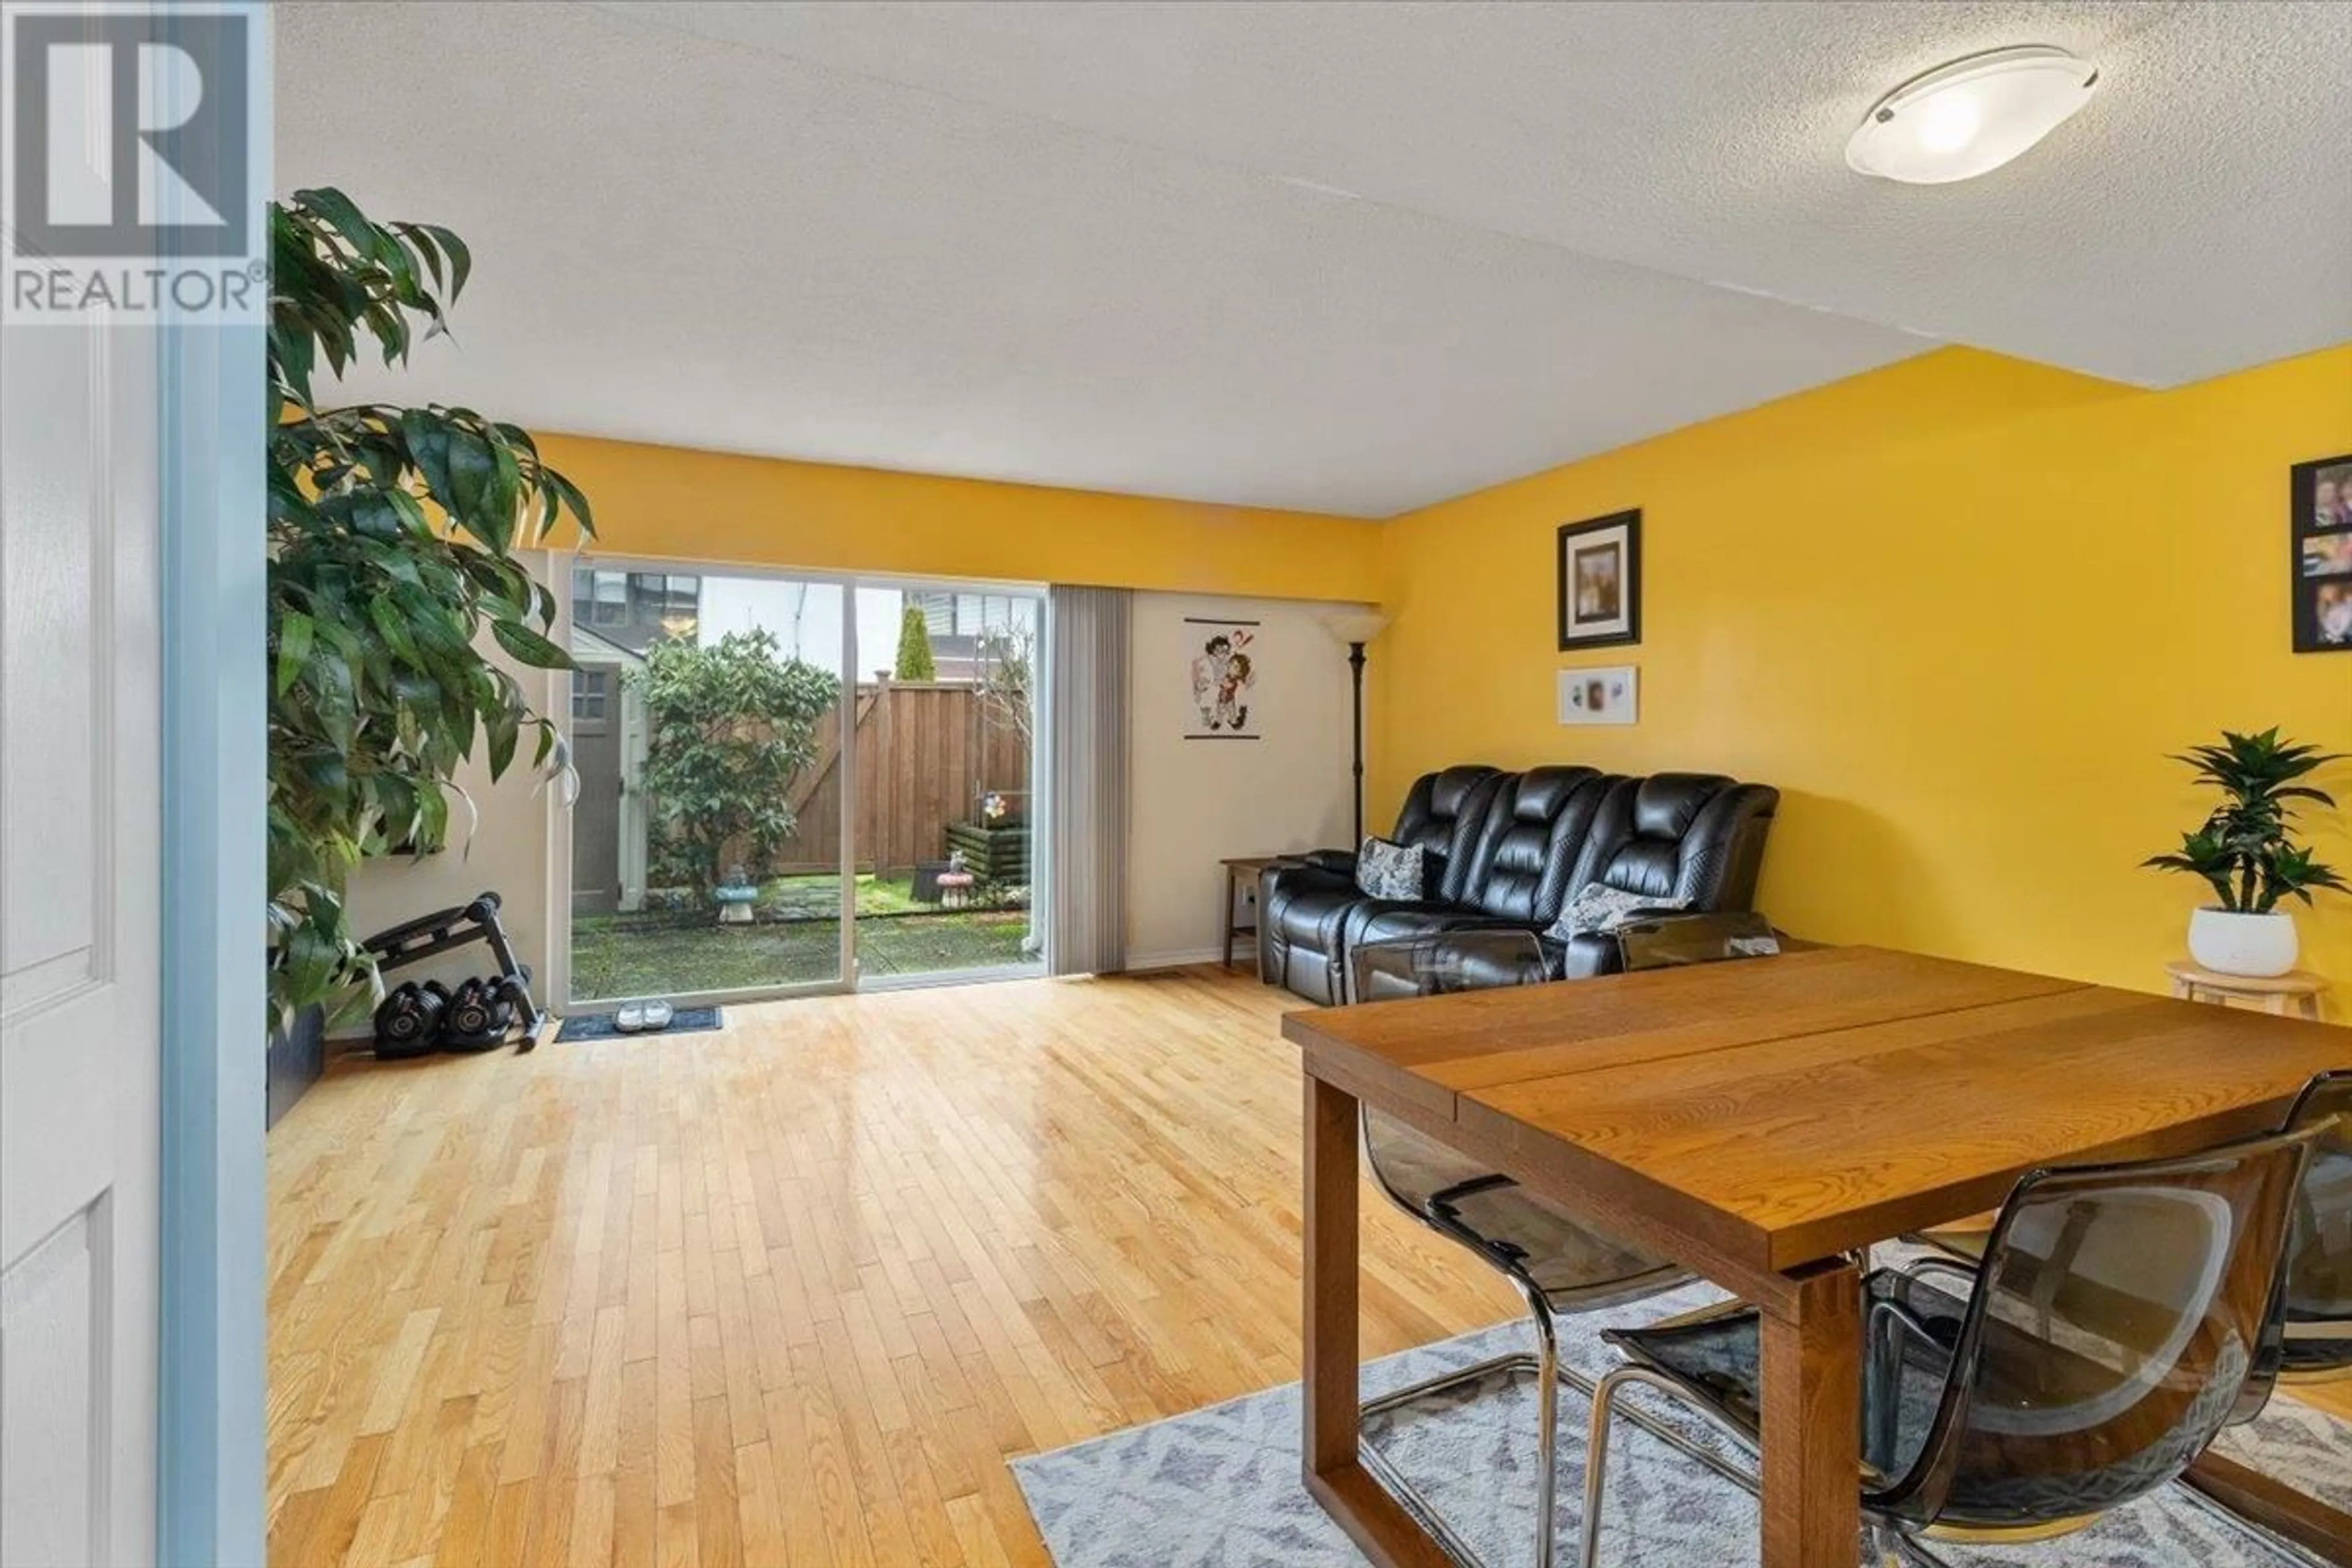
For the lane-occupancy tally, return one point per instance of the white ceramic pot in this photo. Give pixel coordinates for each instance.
(2255, 946)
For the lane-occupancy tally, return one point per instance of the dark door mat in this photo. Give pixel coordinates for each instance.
(607, 1026)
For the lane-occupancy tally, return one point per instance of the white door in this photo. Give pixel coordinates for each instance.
(80, 1035)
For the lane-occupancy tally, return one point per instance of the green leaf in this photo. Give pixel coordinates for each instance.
(461, 261)
(429, 450)
(529, 647)
(573, 501)
(502, 730)
(294, 636)
(472, 496)
(424, 249)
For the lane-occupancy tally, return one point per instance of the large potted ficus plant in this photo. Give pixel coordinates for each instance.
(2245, 852)
(392, 541)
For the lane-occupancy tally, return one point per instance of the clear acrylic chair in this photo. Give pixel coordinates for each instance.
(2310, 1337)
(2315, 1307)
(1556, 1259)
(2105, 1338)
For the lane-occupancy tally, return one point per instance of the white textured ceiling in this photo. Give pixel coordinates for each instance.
(1352, 257)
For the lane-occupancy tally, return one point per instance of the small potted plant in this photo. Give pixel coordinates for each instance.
(2244, 852)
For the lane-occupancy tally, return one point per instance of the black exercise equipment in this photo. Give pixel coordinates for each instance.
(479, 1017)
(408, 1019)
(481, 1013)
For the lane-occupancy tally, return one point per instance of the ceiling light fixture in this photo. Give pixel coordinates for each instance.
(1971, 116)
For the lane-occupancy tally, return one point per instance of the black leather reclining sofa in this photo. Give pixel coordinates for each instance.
(1503, 849)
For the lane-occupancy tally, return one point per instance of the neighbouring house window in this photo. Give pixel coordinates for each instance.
(658, 599)
(646, 598)
(953, 614)
(609, 599)
(634, 610)
(591, 690)
(938, 612)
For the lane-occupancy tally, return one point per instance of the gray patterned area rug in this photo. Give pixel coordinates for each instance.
(1219, 1488)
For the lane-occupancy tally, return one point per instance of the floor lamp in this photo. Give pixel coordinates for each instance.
(1356, 626)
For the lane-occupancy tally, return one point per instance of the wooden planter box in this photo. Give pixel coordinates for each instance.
(998, 853)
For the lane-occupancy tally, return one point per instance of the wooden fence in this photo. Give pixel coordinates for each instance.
(927, 752)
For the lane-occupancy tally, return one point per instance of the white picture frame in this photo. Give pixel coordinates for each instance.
(1603, 694)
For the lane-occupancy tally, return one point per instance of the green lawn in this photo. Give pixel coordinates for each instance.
(653, 952)
(795, 897)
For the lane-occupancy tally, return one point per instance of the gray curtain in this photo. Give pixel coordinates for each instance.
(1086, 659)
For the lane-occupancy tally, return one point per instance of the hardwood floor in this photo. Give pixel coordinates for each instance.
(790, 1293)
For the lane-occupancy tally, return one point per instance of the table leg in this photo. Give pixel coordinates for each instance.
(1812, 1424)
(1225, 918)
(1329, 1320)
(1329, 1398)
(2278, 1507)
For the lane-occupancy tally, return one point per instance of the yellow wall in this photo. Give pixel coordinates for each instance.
(671, 502)
(1958, 610)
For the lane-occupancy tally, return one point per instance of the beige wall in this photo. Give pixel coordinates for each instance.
(509, 850)
(1193, 803)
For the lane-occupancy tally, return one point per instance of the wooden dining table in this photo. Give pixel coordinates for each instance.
(1761, 1121)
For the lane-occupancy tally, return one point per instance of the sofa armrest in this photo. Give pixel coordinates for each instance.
(1287, 879)
(1338, 862)
(1585, 954)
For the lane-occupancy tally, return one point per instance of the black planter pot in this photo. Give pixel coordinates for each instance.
(298, 1058)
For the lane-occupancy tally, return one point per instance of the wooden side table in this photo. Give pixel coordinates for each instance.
(1240, 873)
(2296, 992)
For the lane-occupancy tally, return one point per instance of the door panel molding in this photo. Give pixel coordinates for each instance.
(56, 1420)
(56, 934)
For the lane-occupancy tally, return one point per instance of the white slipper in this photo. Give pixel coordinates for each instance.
(631, 1018)
(659, 1015)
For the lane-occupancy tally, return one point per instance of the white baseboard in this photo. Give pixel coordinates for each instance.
(1139, 961)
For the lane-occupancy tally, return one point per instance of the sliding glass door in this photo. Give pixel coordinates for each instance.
(707, 832)
(946, 807)
(791, 783)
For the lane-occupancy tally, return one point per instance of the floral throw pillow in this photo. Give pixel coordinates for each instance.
(1599, 908)
(1386, 870)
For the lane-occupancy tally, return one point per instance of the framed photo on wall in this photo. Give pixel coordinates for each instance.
(1600, 581)
(2319, 537)
(1605, 694)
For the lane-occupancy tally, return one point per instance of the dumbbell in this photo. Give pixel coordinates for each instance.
(478, 1017)
(408, 1021)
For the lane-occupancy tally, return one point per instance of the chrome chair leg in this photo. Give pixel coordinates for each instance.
(1596, 1465)
(1546, 1366)
(1886, 1547)
(1596, 1450)
(1547, 1424)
